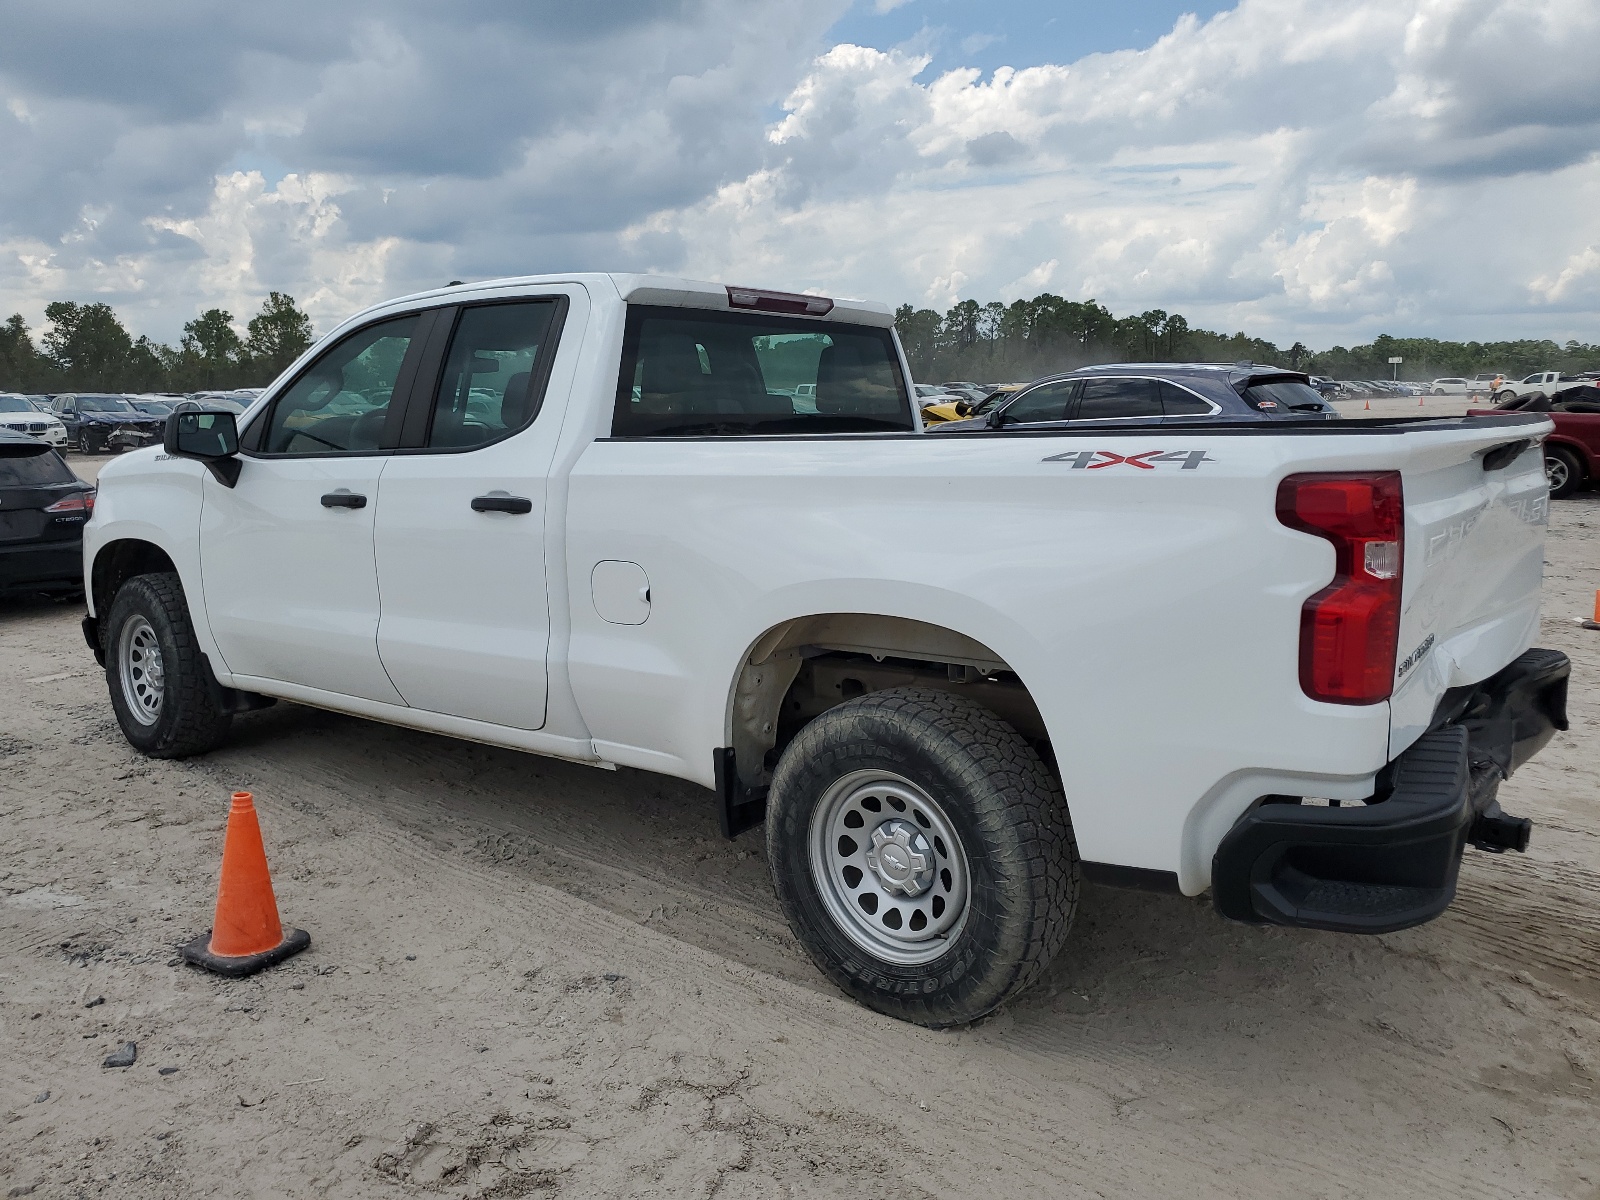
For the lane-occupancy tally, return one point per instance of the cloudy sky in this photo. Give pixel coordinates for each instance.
(1316, 169)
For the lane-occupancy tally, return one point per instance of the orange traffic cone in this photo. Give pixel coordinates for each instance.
(1595, 623)
(246, 935)
(1367, 407)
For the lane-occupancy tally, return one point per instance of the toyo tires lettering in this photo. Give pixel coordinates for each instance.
(1145, 460)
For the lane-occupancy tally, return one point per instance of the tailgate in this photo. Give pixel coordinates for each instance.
(1476, 510)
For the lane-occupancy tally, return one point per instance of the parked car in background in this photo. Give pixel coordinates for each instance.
(233, 401)
(42, 403)
(1450, 385)
(1327, 388)
(155, 406)
(1540, 383)
(929, 394)
(1129, 394)
(209, 403)
(17, 415)
(1572, 452)
(975, 392)
(99, 422)
(43, 508)
(961, 408)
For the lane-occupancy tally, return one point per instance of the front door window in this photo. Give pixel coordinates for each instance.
(341, 404)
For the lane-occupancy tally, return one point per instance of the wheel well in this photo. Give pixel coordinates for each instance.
(800, 669)
(118, 562)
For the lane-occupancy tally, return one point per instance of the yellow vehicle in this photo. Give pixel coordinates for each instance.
(960, 410)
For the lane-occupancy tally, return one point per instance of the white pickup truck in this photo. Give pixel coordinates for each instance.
(1540, 383)
(587, 516)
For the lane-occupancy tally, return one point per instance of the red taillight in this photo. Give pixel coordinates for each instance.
(779, 302)
(80, 502)
(1349, 630)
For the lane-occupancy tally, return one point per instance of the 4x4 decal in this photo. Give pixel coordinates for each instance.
(1145, 460)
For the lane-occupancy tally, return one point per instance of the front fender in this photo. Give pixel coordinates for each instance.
(150, 497)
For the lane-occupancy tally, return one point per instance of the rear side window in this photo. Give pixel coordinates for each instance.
(23, 466)
(687, 373)
(1179, 402)
(493, 381)
(1119, 399)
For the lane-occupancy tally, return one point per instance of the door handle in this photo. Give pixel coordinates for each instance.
(343, 500)
(505, 504)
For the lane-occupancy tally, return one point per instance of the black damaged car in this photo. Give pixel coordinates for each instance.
(43, 509)
(98, 422)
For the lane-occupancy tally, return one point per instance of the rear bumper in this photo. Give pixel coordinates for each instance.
(1392, 863)
(36, 566)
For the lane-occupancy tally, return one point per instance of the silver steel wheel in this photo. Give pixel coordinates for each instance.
(1556, 472)
(889, 867)
(144, 678)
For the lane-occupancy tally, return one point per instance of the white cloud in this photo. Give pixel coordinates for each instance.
(1300, 169)
(1297, 168)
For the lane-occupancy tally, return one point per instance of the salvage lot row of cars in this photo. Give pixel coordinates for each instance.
(107, 422)
(39, 551)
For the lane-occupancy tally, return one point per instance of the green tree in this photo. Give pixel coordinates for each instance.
(22, 367)
(87, 345)
(212, 353)
(277, 335)
(919, 334)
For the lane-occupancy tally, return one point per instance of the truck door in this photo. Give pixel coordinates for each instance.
(461, 514)
(291, 588)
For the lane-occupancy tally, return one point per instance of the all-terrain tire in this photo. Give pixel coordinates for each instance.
(1005, 808)
(190, 717)
(1564, 471)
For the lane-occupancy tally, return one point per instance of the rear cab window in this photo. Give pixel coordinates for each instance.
(689, 373)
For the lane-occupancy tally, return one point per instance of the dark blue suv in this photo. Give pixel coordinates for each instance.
(1153, 394)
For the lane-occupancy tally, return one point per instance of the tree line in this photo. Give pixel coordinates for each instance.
(87, 349)
(998, 343)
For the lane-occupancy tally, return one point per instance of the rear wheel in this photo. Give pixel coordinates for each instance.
(1563, 471)
(922, 854)
(167, 701)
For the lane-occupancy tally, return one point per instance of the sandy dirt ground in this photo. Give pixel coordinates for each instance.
(529, 978)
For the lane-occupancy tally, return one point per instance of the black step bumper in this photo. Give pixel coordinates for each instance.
(1392, 862)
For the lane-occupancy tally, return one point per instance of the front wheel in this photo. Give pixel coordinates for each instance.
(1562, 470)
(922, 854)
(166, 698)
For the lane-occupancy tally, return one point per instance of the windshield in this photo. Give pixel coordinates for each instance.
(105, 404)
(154, 407)
(688, 373)
(15, 404)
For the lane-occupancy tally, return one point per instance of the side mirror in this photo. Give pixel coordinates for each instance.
(209, 437)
